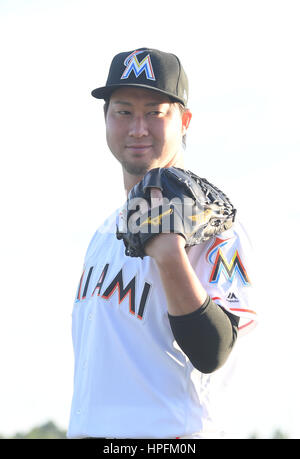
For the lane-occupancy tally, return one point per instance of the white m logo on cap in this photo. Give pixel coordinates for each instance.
(132, 64)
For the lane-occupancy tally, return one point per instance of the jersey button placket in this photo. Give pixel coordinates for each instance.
(85, 362)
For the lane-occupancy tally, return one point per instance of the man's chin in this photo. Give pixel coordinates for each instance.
(136, 169)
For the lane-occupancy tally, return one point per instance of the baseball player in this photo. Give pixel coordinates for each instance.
(156, 317)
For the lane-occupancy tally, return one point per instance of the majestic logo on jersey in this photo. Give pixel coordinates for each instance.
(116, 284)
(133, 65)
(221, 265)
(232, 298)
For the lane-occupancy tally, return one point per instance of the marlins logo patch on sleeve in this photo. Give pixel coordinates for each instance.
(227, 278)
(228, 267)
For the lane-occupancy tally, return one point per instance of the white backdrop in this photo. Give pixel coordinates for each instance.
(58, 179)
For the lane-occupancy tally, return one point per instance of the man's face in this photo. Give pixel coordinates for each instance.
(143, 129)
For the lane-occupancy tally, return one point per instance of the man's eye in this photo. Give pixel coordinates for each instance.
(156, 113)
(123, 112)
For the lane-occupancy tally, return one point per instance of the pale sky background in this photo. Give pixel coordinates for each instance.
(59, 181)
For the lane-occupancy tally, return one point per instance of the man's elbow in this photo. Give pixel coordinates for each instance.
(210, 364)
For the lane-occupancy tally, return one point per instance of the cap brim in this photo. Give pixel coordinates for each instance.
(106, 91)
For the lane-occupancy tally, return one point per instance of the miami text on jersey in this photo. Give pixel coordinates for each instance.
(222, 265)
(116, 284)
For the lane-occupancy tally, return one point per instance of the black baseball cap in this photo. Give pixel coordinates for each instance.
(146, 68)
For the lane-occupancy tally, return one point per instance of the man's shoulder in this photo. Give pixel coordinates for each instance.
(105, 232)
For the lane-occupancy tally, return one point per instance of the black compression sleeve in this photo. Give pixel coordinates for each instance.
(206, 335)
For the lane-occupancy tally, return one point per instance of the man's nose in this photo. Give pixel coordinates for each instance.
(138, 127)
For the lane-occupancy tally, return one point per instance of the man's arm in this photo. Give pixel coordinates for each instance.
(203, 330)
(183, 289)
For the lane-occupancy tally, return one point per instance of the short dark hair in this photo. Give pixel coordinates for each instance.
(105, 106)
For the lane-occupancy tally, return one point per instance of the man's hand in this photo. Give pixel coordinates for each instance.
(164, 245)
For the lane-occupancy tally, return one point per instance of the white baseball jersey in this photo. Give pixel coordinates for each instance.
(131, 379)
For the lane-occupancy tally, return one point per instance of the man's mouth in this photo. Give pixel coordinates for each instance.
(138, 147)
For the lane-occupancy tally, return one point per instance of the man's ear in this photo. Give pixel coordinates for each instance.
(186, 119)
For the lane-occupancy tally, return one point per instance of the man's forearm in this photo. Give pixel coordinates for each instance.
(204, 331)
(183, 290)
